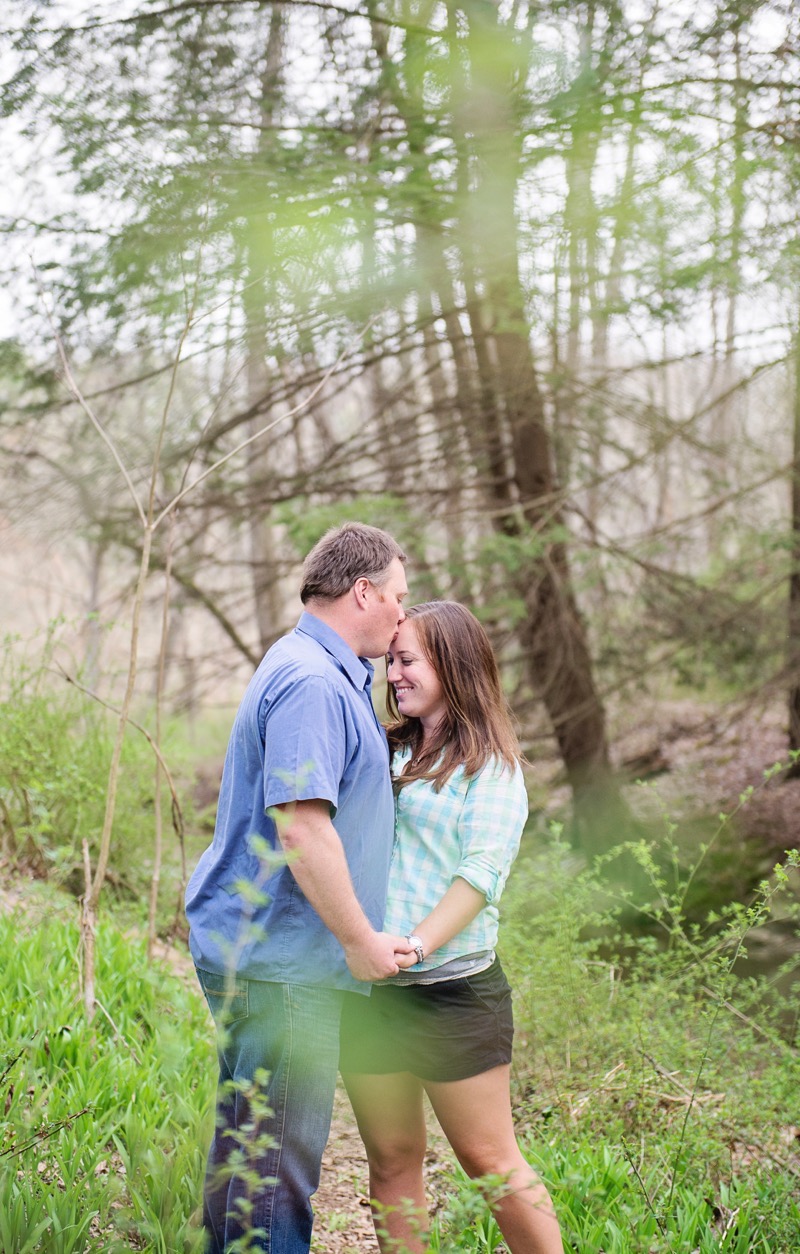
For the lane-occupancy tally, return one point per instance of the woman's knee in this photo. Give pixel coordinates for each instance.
(480, 1160)
(390, 1157)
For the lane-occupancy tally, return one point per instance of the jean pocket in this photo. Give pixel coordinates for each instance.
(227, 997)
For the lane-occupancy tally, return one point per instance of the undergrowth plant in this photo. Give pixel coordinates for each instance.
(651, 1045)
(105, 1125)
(655, 1080)
(55, 748)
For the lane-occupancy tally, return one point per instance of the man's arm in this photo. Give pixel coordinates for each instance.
(318, 863)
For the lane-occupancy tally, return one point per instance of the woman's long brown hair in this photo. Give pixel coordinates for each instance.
(477, 723)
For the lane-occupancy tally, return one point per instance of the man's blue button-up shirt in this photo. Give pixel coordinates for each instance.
(305, 729)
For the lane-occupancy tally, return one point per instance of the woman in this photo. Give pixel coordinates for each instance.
(443, 1025)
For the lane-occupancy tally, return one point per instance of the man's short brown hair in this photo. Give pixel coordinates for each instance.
(345, 554)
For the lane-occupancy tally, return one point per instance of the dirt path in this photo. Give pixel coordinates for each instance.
(343, 1223)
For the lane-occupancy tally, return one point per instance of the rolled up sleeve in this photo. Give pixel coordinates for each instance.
(490, 828)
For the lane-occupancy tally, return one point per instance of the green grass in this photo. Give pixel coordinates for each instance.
(105, 1126)
(56, 745)
(657, 1088)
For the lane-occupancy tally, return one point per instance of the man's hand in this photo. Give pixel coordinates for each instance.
(377, 956)
(407, 959)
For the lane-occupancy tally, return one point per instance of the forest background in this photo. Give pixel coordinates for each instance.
(521, 283)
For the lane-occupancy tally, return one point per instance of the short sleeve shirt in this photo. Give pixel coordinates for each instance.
(470, 829)
(306, 729)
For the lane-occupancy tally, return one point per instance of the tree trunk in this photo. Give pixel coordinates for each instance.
(793, 651)
(552, 633)
(266, 598)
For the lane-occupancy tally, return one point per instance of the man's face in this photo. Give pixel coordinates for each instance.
(387, 609)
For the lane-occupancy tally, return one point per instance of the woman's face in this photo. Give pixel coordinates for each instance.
(416, 684)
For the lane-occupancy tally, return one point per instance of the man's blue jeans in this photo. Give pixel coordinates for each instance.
(264, 1165)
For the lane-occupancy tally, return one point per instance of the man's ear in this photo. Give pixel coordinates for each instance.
(360, 591)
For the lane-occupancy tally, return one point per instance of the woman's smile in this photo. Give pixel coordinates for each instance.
(417, 688)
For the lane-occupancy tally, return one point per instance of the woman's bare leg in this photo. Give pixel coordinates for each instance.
(476, 1118)
(391, 1120)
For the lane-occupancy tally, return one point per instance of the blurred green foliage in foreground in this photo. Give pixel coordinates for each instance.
(656, 1092)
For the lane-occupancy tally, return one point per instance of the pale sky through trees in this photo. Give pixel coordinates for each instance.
(36, 187)
(30, 187)
(561, 273)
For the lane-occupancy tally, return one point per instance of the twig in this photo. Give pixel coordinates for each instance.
(291, 413)
(86, 971)
(119, 1035)
(729, 1226)
(177, 813)
(96, 881)
(75, 391)
(667, 1075)
(45, 1133)
(751, 1023)
(158, 822)
(661, 1226)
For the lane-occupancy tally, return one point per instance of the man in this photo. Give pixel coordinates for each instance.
(286, 905)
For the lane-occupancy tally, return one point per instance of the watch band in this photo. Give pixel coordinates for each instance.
(416, 944)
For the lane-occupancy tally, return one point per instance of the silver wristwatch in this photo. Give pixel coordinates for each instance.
(416, 944)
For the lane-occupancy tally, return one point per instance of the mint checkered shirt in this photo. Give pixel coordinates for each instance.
(470, 829)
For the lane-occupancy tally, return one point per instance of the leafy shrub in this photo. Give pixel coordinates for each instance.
(654, 1081)
(55, 749)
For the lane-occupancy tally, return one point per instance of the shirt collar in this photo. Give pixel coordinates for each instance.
(358, 669)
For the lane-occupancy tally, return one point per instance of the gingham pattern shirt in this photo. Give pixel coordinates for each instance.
(471, 829)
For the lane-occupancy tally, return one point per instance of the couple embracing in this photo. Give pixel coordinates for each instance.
(345, 915)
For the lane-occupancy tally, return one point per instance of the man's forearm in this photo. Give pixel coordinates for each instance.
(318, 863)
